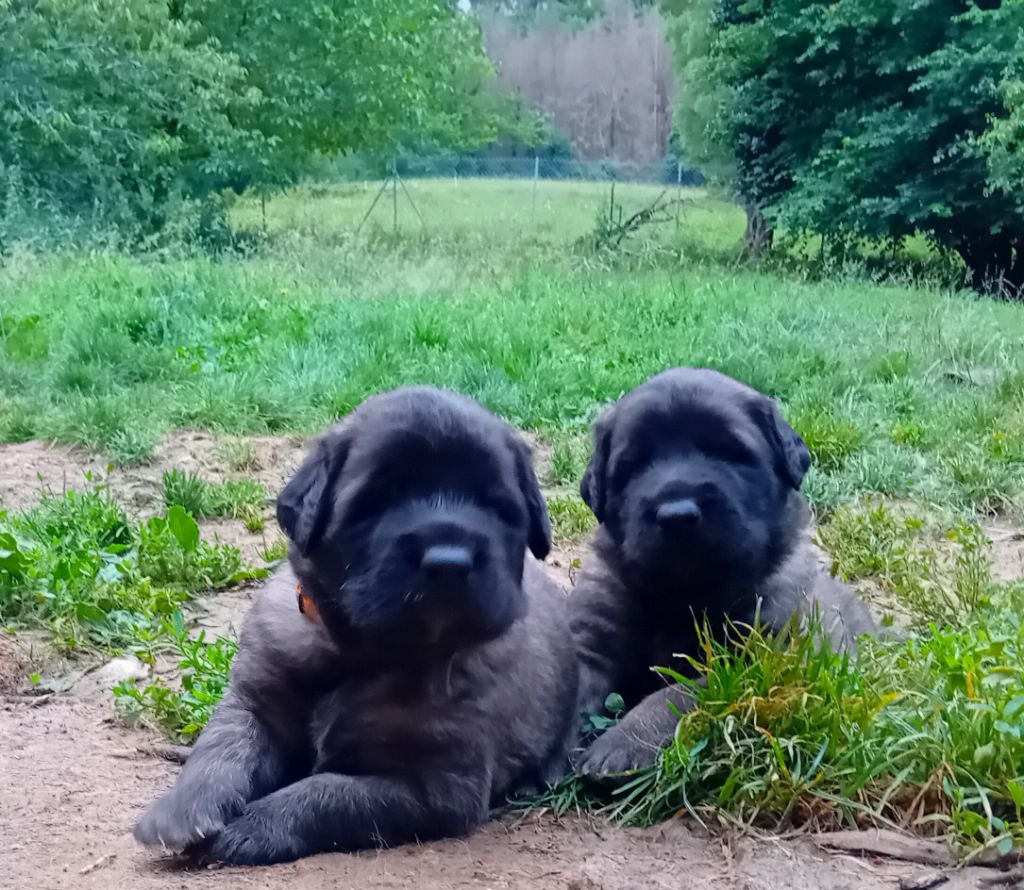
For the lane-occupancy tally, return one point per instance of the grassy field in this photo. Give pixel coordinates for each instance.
(908, 392)
(901, 390)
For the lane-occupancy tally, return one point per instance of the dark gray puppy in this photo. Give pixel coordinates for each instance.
(428, 675)
(695, 480)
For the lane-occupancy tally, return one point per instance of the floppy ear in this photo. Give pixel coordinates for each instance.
(304, 507)
(592, 486)
(792, 458)
(538, 534)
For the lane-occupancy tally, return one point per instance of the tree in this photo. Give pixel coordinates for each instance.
(860, 118)
(606, 85)
(132, 103)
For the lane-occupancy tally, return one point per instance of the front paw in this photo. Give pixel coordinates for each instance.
(614, 753)
(254, 838)
(183, 818)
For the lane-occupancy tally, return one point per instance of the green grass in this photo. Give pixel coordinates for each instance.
(77, 565)
(233, 498)
(789, 734)
(939, 575)
(906, 392)
(571, 519)
(284, 341)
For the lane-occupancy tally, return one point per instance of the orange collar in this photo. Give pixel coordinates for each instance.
(306, 605)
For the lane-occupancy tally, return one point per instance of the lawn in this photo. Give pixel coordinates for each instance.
(907, 393)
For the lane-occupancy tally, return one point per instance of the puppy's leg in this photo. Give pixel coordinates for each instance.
(329, 811)
(235, 761)
(606, 631)
(634, 742)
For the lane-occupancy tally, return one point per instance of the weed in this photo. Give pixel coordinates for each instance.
(78, 565)
(186, 490)
(181, 714)
(254, 522)
(943, 585)
(908, 432)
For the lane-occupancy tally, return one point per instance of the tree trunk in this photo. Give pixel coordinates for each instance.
(759, 235)
(996, 265)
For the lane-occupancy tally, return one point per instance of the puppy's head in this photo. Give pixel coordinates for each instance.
(696, 477)
(410, 520)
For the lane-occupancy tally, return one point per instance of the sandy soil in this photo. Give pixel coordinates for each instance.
(74, 782)
(72, 779)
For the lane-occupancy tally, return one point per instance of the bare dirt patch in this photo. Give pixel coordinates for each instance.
(29, 469)
(74, 783)
(12, 665)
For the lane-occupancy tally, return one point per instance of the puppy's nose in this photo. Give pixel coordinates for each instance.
(681, 514)
(446, 562)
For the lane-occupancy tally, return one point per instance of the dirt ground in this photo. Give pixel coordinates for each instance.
(73, 779)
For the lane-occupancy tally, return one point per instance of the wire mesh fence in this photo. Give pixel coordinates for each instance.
(665, 171)
(543, 198)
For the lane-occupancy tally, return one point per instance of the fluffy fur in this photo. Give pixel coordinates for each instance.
(435, 679)
(695, 481)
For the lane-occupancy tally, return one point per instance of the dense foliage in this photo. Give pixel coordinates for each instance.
(121, 108)
(854, 119)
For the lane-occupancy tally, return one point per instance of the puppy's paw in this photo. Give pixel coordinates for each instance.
(614, 753)
(180, 820)
(254, 838)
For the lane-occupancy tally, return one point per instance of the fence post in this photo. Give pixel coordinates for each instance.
(394, 194)
(679, 190)
(536, 177)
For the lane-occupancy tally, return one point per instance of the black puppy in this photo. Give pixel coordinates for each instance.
(695, 480)
(406, 672)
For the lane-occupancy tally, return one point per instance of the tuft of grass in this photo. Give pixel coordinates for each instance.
(233, 499)
(240, 455)
(570, 452)
(923, 733)
(254, 522)
(79, 566)
(571, 519)
(941, 576)
(276, 550)
(832, 441)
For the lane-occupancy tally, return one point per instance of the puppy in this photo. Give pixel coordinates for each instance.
(408, 670)
(695, 481)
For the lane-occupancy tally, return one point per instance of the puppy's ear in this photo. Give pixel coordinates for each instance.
(792, 459)
(592, 486)
(304, 507)
(538, 533)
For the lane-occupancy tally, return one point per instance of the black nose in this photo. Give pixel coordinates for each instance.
(679, 514)
(446, 562)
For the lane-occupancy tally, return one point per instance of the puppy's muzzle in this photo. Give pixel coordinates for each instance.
(680, 515)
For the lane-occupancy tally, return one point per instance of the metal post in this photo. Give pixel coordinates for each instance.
(679, 190)
(536, 177)
(394, 194)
